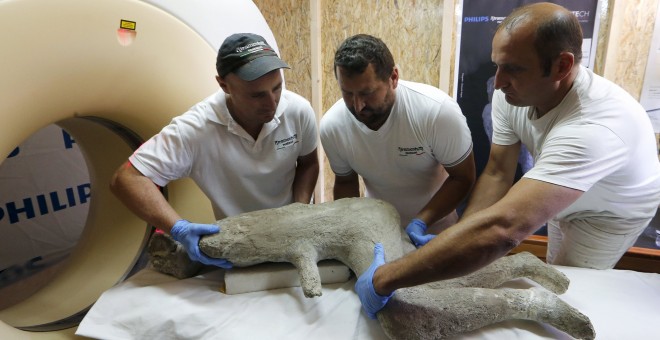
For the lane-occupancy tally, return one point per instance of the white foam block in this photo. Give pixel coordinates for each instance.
(267, 276)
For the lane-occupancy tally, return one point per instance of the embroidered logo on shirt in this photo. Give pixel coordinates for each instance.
(414, 151)
(286, 142)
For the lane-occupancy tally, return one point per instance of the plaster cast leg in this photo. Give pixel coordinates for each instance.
(508, 268)
(549, 308)
(305, 259)
(421, 313)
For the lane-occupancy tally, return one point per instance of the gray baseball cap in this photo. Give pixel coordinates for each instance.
(247, 55)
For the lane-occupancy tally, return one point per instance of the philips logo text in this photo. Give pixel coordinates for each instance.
(43, 204)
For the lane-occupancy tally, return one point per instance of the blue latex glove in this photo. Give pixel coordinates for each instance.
(364, 287)
(416, 230)
(188, 234)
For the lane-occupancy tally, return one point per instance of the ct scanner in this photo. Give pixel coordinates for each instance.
(62, 62)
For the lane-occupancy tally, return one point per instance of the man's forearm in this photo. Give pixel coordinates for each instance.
(480, 238)
(488, 190)
(142, 197)
(496, 179)
(460, 250)
(450, 194)
(304, 184)
(346, 187)
(455, 189)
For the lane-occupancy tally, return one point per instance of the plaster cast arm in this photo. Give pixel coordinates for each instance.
(455, 188)
(346, 186)
(481, 237)
(142, 197)
(307, 173)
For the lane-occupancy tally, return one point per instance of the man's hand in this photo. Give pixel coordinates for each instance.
(371, 301)
(188, 234)
(416, 230)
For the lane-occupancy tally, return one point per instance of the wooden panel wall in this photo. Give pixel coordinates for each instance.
(631, 29)
(289, 21)
(413, 29)
(606, 8)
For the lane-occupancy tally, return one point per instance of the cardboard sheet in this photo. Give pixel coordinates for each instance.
(621, 305)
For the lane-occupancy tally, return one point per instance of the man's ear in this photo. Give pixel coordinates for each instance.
(395, 77)
(223, 84)
(564, 65)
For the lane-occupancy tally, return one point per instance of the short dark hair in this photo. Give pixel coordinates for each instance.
(558, 33)
(358, 51)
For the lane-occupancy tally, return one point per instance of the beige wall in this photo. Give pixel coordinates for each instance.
(289, 21)
(413, 30)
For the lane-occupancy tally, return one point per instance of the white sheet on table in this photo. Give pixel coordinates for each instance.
(150, 305)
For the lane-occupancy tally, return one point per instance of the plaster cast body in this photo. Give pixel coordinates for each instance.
(347, 229)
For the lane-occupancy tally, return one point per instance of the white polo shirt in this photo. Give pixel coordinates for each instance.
(237, 173)
(598, 140)
(402, 162)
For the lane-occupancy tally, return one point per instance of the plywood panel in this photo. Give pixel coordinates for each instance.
(630, 33)
(605, 23)
(411, 29)
(289, 21)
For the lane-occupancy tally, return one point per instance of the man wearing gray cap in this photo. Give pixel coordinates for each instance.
(248, 147)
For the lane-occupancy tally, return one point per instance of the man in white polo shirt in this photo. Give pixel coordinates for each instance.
(409, 141)
(596, 175)
(248, 147)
